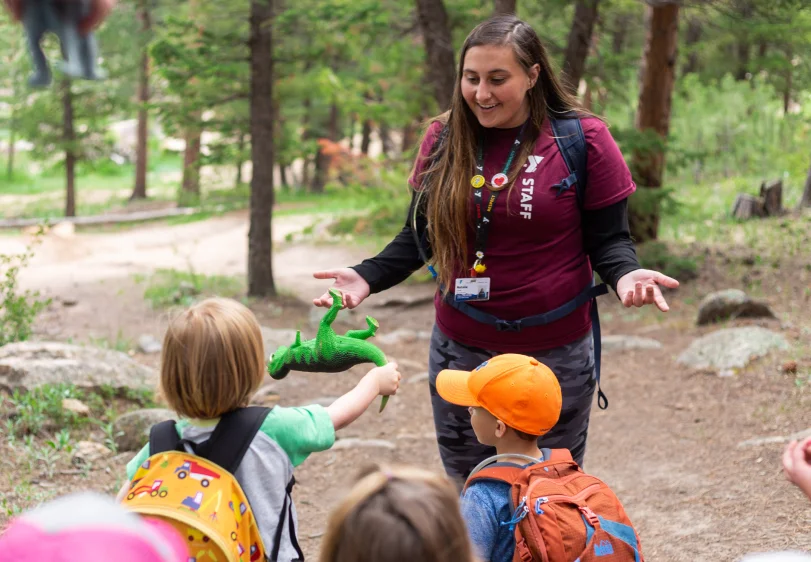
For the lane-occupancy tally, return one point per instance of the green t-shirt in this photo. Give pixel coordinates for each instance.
(298, 431)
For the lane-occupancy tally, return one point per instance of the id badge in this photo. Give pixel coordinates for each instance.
(471, 289)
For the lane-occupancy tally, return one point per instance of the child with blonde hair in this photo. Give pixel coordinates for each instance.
(212, 363)
(397, 514)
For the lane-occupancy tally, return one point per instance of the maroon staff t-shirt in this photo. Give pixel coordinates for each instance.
(534, 254)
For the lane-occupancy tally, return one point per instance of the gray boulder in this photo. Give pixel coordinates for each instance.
(132, 429)
(731, 303)
(626, 343)
(731, 348)
(27, 365)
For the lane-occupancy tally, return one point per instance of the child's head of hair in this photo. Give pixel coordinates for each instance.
(397, 514)
(213, 359)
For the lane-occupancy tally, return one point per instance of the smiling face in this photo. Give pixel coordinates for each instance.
(495, 86)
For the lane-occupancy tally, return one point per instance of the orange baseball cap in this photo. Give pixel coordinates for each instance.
(519, 390)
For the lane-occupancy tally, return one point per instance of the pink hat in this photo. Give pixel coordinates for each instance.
(89, 527)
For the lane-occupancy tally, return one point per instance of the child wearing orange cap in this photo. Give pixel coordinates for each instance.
(513, 399)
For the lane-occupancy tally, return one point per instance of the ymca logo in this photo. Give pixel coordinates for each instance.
(603, 548)
(533, 163)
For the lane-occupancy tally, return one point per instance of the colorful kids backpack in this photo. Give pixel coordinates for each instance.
(197, 493)
(562, 514)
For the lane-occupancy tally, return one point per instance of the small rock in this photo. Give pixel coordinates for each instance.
(418, 378)
(132, 429)
(403, 335)
(69, 302)
(88, 452)
(731, 348)
(731, 303)
(356, 443)
(149, 344)
(626, 343)
(77, 407)
(789, 367)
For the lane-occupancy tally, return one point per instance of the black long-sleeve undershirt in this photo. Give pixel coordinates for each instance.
(606, 239)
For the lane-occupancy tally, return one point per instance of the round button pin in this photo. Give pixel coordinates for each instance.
(499, 180)
(477, 181)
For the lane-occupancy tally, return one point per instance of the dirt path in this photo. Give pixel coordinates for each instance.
(668, 444)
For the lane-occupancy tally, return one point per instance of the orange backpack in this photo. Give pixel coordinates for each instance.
(197, 492)
(562, 514)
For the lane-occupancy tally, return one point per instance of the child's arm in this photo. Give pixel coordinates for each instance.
(122, 493)
(797, 464)
(380, 381)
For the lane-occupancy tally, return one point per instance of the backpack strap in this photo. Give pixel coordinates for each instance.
(163, 437)
(286, 515)
(491, 469)
(232, 437)
(571, 141)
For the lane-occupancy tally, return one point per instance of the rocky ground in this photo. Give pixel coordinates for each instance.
(691, 443)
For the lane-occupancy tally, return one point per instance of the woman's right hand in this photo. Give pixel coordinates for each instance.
(352, 286)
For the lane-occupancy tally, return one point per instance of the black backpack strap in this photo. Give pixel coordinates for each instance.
(232, 437)
(286, 515)
(163, 437)
(571, 140)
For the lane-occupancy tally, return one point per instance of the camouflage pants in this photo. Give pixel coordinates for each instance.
(460, 451)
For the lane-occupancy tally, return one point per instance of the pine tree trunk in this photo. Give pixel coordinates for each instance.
(283, 177)
(694, 30)
(653, 112)
(743, 47)
(503, 7)
(619, 33)
(440, 66)
(577, 49)
(141, 151)
(385, 139)
(260, 265)
(788, 84)
(805, 200)
(366, 136)
(191, 161)
(409, 137)
(69, 139)
(240, 159)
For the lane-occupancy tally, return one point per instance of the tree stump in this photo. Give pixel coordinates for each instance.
(747, 206)
(772, 195)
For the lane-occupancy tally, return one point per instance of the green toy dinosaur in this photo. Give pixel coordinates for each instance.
(328, 352)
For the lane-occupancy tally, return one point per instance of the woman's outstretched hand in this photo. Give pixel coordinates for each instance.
(353, 287)
(641, 287)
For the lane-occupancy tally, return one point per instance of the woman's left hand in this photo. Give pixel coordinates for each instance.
(641, 287)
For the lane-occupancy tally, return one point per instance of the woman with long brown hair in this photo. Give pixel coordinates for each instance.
(519, 195)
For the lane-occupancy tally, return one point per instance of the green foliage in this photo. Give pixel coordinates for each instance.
(42, 406)
(18, 308)
(171, 287)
